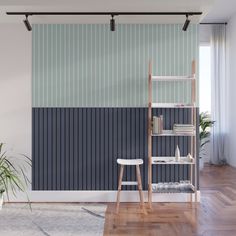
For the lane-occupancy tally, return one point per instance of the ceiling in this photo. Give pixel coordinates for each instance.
(213, 10)
(221, 11)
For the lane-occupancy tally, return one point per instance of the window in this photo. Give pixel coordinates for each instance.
(205, 78)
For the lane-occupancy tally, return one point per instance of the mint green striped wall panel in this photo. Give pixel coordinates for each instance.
(87, 65)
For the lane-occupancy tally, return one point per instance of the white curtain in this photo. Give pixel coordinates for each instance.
(219, 97)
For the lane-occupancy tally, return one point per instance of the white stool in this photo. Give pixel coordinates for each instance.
(129, 162)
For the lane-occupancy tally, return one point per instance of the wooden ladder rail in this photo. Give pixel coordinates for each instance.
(195, 124)
(193, 121)
(150, 135)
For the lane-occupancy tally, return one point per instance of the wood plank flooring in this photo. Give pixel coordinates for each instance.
(214, 216)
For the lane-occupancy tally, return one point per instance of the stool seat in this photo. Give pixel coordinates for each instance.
(130, 162)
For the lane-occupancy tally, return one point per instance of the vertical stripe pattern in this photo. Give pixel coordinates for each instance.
(90, 66)
(77, 148)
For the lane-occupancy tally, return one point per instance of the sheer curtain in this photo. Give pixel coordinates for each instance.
(219, 95)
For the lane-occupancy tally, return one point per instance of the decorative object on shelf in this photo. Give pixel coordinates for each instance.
(169, 160)
(189, 158)
(161, 124)
(157, 124)
(183, 129)
(177, 154)
(184, 186)
(12, 174)
(205, 124)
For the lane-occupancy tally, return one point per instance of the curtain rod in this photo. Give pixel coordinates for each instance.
(220, 23)
(103, 13)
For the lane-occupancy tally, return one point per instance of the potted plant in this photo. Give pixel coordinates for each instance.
(205, 124)
(12, 174)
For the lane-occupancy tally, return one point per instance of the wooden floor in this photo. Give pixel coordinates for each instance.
(214, 216)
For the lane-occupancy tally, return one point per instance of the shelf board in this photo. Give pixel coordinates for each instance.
(172, 105)
(190, 189)
(172, 78)
(171, 133)
(171, 161)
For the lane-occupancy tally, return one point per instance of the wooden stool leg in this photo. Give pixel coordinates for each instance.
(140, 187)
(119, 188)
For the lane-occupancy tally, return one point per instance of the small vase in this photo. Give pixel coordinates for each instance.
(189, 158)
(177, 154)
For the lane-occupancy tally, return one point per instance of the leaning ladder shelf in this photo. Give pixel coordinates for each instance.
(171, 160)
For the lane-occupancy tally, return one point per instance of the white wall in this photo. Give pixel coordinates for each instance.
(231, 70)
(204, 34)
(15, 87)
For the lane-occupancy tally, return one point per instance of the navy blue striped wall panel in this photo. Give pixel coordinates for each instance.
(77, 148)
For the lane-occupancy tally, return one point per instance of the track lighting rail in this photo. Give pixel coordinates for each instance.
(105, 13)
(112, 14)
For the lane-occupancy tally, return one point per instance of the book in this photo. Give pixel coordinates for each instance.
(157, 125)
(183, 128)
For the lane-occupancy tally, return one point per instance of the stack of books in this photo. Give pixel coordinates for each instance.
(183, 129)
(157, 125)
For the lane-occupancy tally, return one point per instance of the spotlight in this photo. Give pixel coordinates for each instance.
(112, 23)
(186, 24)
(27, 24)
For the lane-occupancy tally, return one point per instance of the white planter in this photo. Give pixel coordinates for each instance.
(1, 201)
(201, 163)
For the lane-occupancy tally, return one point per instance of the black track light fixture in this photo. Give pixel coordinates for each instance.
(112, 14)
(112, 23)
(186, 23)
(27, 24)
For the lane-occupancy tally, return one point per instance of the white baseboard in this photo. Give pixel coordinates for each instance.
(100, 196)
